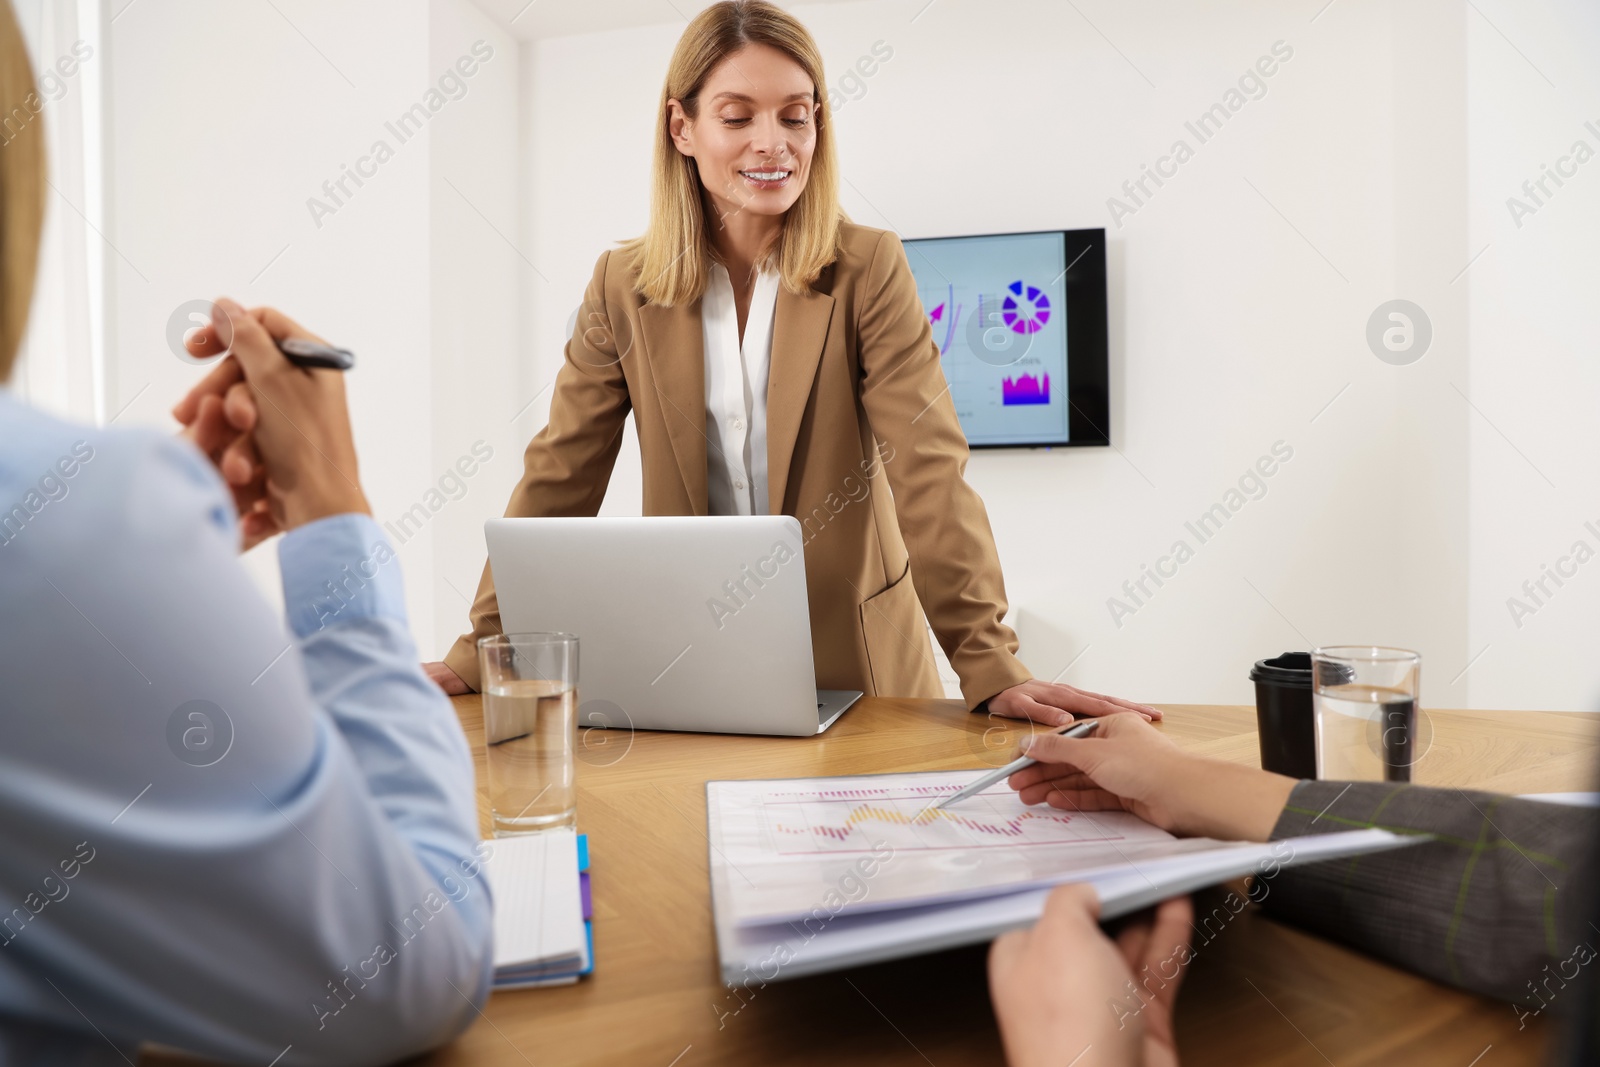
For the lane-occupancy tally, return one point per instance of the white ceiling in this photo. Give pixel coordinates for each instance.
(531, 20)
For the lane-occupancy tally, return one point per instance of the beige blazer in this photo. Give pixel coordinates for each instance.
(863, 448)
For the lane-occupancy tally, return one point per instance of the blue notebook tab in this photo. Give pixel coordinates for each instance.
(588, 899)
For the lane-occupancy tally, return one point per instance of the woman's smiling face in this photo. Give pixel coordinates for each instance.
(753, 138)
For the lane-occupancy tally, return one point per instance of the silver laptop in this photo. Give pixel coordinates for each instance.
(683, 623)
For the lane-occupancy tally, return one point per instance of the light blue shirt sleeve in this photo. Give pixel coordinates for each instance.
(256, 843)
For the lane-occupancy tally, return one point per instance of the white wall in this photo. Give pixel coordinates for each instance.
(225, 121)
(1534, 328)
(1375, 166)
(482, 269)
(1240, 293)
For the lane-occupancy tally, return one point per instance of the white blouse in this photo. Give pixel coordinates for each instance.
(736, 393)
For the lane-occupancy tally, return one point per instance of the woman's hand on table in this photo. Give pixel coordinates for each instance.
(1128, 765)
(1056, 704)
(442, 676)
(1061, 990)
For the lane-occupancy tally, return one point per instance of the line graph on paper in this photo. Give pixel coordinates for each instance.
(858, 818)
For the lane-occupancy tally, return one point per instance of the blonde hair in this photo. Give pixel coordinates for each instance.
(673, 257)
(21, 185)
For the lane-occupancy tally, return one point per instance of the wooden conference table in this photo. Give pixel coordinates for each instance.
(1264, 994)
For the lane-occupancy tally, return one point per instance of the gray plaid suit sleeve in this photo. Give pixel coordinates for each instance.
(1497, 902)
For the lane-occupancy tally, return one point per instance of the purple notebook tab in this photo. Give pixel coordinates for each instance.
(583, 889)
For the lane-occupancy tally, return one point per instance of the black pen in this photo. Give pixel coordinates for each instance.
(311, 354)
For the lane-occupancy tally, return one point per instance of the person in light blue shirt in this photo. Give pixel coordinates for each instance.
(251, 840)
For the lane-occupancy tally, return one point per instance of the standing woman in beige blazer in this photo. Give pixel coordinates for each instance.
(777, 360)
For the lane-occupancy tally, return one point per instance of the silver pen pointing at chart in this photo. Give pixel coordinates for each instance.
(1080, 728)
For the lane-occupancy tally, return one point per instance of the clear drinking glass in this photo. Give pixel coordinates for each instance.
(530, 717)
(1364, 704)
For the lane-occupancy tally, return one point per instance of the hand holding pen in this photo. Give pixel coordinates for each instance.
(1126, 764)
(272, 417)
(1081, 728)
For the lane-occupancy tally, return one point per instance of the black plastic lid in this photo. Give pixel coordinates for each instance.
(1293, 669)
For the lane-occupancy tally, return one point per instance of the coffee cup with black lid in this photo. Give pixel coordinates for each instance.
(1284, 719)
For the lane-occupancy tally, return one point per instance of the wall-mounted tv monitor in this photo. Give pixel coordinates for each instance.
(1020, 321)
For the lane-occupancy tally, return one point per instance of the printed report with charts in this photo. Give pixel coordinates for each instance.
(815, 874)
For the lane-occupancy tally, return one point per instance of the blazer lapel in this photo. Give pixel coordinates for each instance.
(675, 350)
(799, 331)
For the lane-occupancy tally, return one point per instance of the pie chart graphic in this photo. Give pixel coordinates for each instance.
(1025, 309)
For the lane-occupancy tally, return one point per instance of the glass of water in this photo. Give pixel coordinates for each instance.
(1364, 703)
(530, 722)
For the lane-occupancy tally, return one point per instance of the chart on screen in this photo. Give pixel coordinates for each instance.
(997, 308)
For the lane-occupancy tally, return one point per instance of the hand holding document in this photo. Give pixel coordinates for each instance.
(1043, 1007)
(810, 875)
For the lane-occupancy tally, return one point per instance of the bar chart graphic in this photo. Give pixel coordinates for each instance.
(1025, 389)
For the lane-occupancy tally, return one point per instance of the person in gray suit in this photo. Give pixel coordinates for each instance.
(1499, 899)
